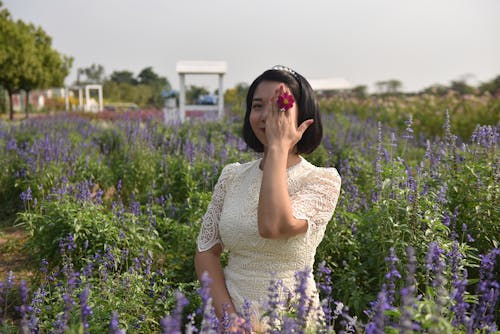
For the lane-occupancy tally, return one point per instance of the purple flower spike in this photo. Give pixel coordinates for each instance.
(86, 310)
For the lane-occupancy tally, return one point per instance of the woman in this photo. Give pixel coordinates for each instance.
(269, 214)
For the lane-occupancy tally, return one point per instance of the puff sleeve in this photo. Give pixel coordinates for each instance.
(317, 198)
(209, 232)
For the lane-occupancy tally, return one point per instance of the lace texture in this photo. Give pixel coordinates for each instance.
(209, 234)
(231, 219)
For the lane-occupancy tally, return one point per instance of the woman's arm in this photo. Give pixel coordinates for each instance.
(209, 261)
(275, 218)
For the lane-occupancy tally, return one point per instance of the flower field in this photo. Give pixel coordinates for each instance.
(111, 209)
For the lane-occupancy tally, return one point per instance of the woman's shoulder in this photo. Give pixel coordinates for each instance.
(313, 171)
(236, 168)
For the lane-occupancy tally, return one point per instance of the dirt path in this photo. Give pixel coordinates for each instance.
(12, 256)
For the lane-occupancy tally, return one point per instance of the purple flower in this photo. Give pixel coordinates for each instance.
(11, 145)
(9, 282)
(84, 194)
(209, 319)
(446, 219)
(377, 325)
(412, 185)
(409, 130)
(114, 324)
(242, 145)
(303, 302)
(485, 136)
(392, 275)
(189, 151)
(247, 315)
(172, 323)
(378, 160)
(86, 310)
(43, 266)
(273, 303)
(135, 208)
(25, 308)
(433, 260)
(488, 291)
(210, 150)
(26, 195)
(406, 323)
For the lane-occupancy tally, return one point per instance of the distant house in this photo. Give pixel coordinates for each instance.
(37, 98)
(330, 86)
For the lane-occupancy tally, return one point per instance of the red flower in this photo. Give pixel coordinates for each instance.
(285, 101)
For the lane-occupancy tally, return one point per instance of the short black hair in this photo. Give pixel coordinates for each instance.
(307, 105)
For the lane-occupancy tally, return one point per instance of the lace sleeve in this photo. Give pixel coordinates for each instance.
(209, 232)
(317, 199)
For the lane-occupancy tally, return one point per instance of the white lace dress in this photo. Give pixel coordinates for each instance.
(231, 219)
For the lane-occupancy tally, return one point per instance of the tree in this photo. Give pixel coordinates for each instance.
(436, 89)
(46, 67)
(394, 86)
(360, 91)
(27, 60)
(10, 59)
(156, 83)
(193, 92)
(148, 77)
(461, 87)
(492, 87)
(389, 87)
(234, 98)
(93, 75)
(123, 77)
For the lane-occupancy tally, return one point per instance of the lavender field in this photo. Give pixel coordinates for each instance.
(111, 210)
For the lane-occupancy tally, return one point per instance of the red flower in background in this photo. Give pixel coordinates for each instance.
(285, 101)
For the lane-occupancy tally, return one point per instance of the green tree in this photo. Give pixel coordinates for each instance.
(193, 92)
(144, 90)
(12, 45)
(492, 87)
(360, 91)
(27, 60)
(234, 98)
(123, 77)
(436, 89)
(15, 47)
(389, 87)
(149, 78)
(94, 74)
(156, 84)
(46, 67)
(394, 86)
(461, 87)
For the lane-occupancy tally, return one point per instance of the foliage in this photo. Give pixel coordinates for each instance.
(116, 206)
(428, 112)
(235, 97)
(94, 74)
(144, 90)
(27, 59)
(193, 92)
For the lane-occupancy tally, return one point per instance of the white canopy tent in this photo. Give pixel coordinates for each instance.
(88, 106)
(328, 84)
(183, 68)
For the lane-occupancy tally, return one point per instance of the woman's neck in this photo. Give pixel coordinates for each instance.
(292, 159)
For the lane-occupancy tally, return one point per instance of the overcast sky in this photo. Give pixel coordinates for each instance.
(419, 42)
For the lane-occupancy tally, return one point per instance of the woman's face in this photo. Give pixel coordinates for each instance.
(262, 104)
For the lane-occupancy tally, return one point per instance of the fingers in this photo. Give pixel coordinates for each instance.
(303, 127)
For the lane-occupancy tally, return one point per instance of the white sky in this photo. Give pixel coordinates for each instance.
(364, 41)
